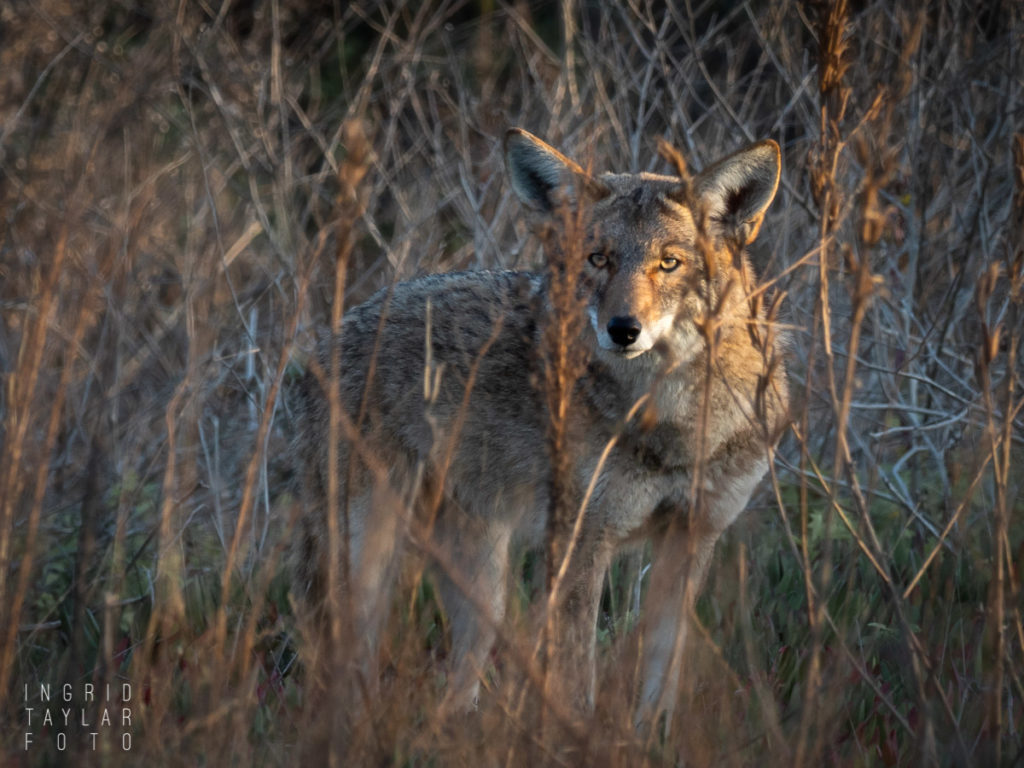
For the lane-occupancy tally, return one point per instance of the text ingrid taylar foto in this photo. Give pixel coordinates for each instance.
(73, 717)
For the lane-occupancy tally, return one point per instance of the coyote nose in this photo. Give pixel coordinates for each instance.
(623, 330)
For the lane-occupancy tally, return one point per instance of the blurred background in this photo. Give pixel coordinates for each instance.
(188, 189)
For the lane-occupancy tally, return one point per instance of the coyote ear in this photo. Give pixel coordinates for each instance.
(542, 177)
(739, 188)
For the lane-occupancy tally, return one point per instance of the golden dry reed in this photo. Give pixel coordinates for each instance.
(192, 191)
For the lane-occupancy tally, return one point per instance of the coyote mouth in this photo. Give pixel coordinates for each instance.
(627, 354)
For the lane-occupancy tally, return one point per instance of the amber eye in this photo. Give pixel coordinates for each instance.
(598, 260)
(668, 263)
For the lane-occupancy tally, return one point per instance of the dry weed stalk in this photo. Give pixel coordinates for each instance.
(184, 191)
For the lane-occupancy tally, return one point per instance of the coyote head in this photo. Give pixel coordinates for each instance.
(659, 252)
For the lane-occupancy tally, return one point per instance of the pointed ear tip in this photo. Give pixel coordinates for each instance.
(512, 135)
(517, 135)
(770, 154)
(769, 146)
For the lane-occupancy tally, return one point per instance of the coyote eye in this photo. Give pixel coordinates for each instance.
(598, 260)
(668, 263)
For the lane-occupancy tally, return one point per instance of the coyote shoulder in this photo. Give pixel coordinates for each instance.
(442, 420)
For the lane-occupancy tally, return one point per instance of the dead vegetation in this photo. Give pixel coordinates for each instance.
(189, 190)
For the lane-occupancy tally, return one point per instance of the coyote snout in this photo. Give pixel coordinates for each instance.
(443, 436)
(624, 331)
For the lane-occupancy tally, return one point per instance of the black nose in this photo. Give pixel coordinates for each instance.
(624, 330)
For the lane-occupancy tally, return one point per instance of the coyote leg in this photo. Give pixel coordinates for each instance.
(680, 563)
(473, 588)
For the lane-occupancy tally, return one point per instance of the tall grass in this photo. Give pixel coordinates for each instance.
(190, 190)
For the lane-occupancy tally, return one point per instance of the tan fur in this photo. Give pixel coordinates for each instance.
(468, 473)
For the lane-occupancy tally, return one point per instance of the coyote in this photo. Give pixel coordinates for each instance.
(442, 416)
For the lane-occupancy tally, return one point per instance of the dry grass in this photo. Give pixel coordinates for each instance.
(188, 191)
